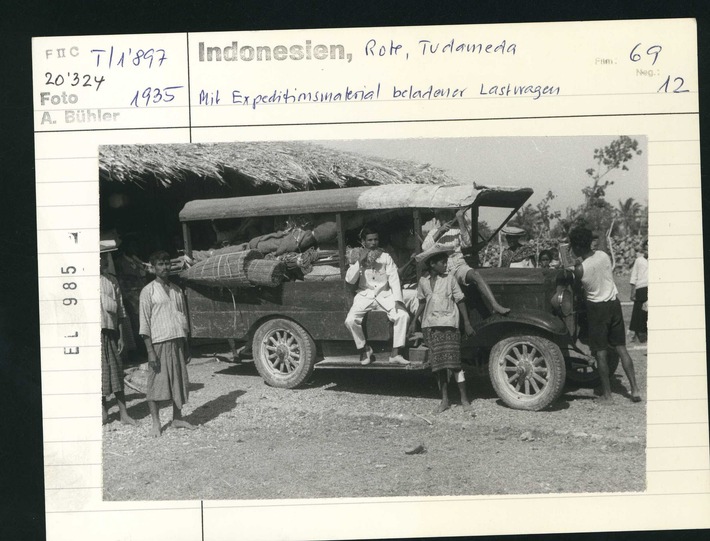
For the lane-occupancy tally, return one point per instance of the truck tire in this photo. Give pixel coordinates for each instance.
(580, 374)
(527, 372)
(284, 353)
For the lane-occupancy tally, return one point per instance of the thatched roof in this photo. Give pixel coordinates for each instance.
(287, 166)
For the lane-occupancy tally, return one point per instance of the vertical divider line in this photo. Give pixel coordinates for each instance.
(189, 103)
(202, 518)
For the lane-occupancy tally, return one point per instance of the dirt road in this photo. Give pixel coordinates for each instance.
(346, 433)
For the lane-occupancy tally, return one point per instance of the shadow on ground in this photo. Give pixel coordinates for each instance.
(214, 408)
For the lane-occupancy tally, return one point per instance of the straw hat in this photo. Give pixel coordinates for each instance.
(431, 252)
(512, 231)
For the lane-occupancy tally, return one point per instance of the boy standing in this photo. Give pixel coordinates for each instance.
(163, 326)
(606, 323)
(441, 303)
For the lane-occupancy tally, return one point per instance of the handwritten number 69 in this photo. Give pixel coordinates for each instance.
(653, 50)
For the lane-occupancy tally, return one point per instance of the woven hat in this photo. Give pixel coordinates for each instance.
(431, 252)
(512, 231)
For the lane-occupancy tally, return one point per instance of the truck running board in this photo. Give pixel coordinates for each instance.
(381, 362)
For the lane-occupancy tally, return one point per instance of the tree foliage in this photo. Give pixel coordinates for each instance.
(613, 156)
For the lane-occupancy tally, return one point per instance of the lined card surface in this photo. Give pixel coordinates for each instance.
(579, 79)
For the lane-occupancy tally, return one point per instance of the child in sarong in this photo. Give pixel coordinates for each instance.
(163, 326)
(112, 313)
(441, 303)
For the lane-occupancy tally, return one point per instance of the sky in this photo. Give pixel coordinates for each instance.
(540, 163)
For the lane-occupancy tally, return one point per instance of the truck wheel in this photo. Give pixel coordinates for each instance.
(579, 372)
(527, 372)
(284, 353)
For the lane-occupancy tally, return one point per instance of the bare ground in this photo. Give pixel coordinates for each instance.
(346, 433)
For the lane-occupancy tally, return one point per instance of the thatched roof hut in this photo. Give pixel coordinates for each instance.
(258, 166)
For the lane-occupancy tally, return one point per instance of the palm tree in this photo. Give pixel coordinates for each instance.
(629, 212)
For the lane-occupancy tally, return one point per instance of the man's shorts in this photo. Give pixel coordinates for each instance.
(460, 269)
(606, 325)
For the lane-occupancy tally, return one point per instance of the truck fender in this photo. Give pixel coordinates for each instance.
(496, 325)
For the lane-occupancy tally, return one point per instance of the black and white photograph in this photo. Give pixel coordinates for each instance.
(374, 318)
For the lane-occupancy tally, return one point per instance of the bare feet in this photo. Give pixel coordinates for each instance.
(155, 431)
(127, 420)
(181, 423)
(635, 397)
(502, 310)
(605, 400)
(442, 407)
(468, 408)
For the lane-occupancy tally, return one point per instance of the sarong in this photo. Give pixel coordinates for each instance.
(111, 364)
(171, 383)
(639, 316)
(444, 345)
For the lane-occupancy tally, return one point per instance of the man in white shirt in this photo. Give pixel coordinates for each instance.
(639, 294)
(604, 316)
(378, 288)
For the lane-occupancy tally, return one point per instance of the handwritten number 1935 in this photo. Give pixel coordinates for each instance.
(150, 95)
(653, 50)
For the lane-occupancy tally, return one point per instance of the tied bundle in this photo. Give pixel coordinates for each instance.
(225, 270)
(267, 272)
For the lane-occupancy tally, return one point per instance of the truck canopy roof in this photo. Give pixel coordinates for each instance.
(390, 196)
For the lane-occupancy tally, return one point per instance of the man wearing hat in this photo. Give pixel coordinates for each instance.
(112, 314)
(441, 304)
(517, 255)
(454, 239)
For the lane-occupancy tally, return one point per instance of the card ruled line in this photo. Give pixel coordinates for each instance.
(373, 122)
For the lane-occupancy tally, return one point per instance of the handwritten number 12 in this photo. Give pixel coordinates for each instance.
(677, 90)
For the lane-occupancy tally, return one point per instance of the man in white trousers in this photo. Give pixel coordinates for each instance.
(378, 288)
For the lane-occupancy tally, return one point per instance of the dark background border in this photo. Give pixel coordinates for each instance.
(21, 472)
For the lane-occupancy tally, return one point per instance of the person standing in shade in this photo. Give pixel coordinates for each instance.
(163, 326)
(378, 288)
(517, 254)
(604, 316)
(112, 314)
(441, 305)
(639, 294)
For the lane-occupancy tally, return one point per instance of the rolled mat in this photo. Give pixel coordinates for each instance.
(224, 270)
(266, 272)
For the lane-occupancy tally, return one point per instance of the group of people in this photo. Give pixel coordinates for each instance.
(439, 311)
(164, 330)
(439, 295)
(441, 307)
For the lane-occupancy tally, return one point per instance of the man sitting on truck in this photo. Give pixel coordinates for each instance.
(453, 235)
(378, 288)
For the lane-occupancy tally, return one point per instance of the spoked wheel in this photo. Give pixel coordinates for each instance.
(284, 353)
(527, 372)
